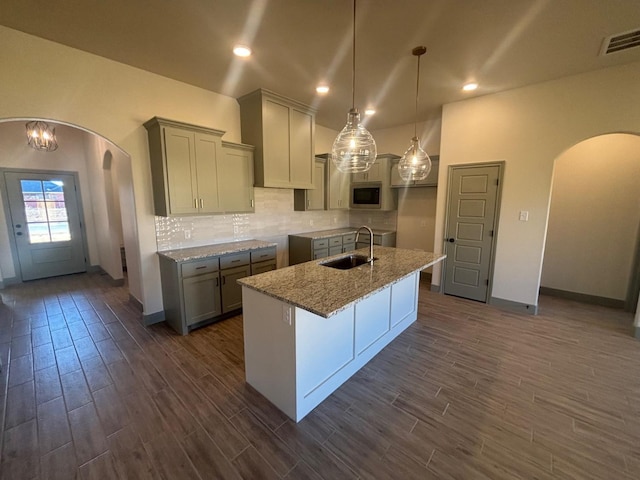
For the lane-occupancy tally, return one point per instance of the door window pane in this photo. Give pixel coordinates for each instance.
(45, 211)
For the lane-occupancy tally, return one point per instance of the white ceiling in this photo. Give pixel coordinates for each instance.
(502, 44)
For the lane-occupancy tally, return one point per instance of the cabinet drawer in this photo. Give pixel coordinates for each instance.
(262, 267)
(349, 238)
(335, 241)
(348, 247)
(320, 243)
(199, 267)
(263, 254)
(320, 253)
(235, 260)
(335, 250)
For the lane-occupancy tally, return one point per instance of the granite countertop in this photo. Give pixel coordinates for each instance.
(325, 291)
(194, 253)
(339, 231)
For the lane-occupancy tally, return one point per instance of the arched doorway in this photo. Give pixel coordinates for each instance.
(106, 189)
(592, 242)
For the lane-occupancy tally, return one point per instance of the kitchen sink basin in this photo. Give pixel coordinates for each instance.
(348, 262)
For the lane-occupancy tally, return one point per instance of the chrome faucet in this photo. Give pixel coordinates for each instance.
(370, 258)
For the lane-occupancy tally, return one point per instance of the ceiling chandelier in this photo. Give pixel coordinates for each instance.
(415, 164)
(41, 136)
(354, 149)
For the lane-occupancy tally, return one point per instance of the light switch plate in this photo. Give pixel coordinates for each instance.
(524, 216)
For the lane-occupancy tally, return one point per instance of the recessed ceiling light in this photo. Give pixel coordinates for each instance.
(241, 51)
(470, 87)
(322, 89)
(370, 111)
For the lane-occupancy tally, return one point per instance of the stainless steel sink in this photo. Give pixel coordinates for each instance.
(348, 262)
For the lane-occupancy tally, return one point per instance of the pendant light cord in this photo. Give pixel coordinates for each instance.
(415, 121)
(353, 61)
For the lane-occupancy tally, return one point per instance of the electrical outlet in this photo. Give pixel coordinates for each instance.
(236, 229)
(524, 216)
(286, 314)
(311, 222)
(187, 234)
(423, 223)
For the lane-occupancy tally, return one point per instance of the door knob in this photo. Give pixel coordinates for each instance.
(451, 240)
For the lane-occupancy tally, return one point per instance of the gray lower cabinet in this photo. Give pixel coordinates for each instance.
(303, 248)
(197, 291)
(231, 290)
(201, 297)
(384, 240)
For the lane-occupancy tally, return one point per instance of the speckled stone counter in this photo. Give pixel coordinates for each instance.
(326, 291)
(195, 253)
(339, 231)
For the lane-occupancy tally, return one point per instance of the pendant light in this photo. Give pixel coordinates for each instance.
(41, 136)
(354, 149)
(415, 164)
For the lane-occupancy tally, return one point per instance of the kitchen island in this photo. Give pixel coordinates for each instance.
(309, 327)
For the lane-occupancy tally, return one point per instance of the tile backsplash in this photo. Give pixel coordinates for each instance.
(273, 220)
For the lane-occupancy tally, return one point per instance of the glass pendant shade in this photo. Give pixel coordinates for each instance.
(41, 136)
(354, 149)
(415, 164)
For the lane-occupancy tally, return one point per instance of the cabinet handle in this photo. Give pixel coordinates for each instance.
(224, 280)
(235, 261)
(308, 203)
(217, 284)
(201, 203)
(195, 203)
(201, 267)
(252, 203)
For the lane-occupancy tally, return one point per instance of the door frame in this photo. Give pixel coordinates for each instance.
(7, 214)
(492, 260)
(633, 290)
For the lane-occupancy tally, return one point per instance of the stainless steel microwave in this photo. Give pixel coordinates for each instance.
(366, 195)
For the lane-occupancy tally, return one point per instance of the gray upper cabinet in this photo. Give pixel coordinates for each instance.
(304, 200)
(337, 186)
(194, 172)
(430, 181)
(236, 172)
(283, 132)
(380, 171)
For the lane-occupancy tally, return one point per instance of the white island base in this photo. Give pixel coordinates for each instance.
(296, 358)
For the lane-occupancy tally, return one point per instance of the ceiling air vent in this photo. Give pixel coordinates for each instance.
(621, 41)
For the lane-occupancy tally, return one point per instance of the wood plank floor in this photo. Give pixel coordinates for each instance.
(467, 392)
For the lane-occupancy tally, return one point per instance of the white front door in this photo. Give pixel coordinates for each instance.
(46, 224)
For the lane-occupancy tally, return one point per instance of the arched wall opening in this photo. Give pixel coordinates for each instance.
(591, 249)
(106, 189)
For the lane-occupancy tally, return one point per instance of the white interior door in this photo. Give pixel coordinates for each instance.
(45, 217)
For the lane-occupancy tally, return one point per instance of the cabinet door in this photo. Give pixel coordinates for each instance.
(179, 148)
(432, 178)
(301, 149)
(207, 149)
(374, 174)
(236, 180)
(201, 297)
(397, 180)
(276, 145)
(337, 188)
(315, 197)
(231, 290)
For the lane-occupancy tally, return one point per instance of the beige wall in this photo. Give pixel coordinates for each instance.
(42, 79)
(529, 128)
(594, 215)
